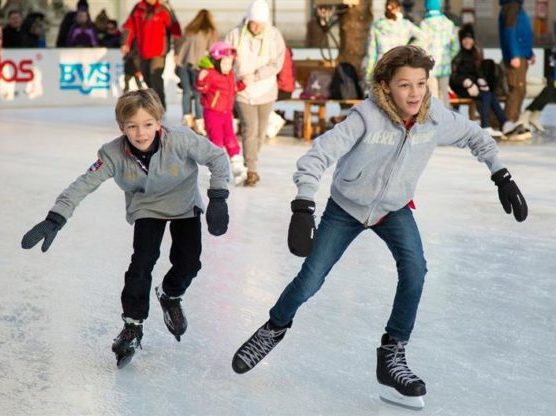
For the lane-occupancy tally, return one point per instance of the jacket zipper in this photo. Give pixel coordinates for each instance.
(385, 187)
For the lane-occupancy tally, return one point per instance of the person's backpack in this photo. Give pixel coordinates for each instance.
(317, 86)
(345, 83)
(286, 76)
(495, 76)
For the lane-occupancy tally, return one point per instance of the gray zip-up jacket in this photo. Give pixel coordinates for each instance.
(379, 162)
(168, 191)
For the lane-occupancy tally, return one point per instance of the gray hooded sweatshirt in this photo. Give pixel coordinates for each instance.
(379, 162)
(168, 191)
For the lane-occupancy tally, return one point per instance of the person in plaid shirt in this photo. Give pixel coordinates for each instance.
(443, 46)
(388, 32)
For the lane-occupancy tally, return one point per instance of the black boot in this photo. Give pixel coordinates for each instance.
(257, 347)
(173, 314)
(398, 383)
(126, 342)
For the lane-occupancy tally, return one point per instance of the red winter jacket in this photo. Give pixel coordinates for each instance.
(218, 90)
(149, 26)
(286, 76)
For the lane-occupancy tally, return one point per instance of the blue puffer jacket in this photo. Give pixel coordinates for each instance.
(516, 34)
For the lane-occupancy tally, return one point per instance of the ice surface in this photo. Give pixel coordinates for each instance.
(484, 341)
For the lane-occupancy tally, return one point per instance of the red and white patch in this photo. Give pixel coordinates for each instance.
(96, 166)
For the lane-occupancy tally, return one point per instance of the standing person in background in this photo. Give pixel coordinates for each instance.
(148, 24)
(198, 36)
(260, 56)
(388, 32)
(443, 46)
(516, 42)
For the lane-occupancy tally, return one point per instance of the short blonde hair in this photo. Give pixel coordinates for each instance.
(130, 102)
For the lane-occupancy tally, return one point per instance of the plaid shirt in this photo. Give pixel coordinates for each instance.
(443, 43)
(387, 34)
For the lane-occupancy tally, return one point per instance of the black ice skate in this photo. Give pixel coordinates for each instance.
(173, 314)
(398, 385)
(257, 347)
(126, 342)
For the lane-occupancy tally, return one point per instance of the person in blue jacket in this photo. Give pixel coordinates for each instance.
(516, 42)
(380, 151)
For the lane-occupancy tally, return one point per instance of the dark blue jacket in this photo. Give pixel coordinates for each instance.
(516, 34)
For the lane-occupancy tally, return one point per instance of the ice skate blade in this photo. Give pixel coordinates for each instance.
(392, 396)
(124, 359)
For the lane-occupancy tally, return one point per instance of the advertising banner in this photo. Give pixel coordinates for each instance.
(72, 76)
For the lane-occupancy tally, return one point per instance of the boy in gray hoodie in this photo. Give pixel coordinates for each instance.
(381, 149)
(156, 167)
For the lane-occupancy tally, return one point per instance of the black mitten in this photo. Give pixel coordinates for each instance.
(46, 229)
(510, 195)
(302, 227)
(217, 211)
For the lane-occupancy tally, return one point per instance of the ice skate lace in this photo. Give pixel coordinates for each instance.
(260, 345)
(397, 365)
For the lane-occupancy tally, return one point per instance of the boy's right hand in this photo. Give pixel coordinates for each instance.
(46, 229)
(302, 227)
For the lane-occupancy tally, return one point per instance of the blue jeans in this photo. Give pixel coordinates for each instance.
(487, 101)
(188, 76)
(336, 231)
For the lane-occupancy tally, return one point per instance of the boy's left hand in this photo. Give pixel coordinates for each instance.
(510, 195)
(217, 211)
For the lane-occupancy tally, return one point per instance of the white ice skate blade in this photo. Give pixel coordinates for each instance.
(392, 396)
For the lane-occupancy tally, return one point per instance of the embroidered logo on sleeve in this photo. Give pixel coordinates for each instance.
(96, 166)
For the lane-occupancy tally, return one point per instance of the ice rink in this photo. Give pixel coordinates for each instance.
(484, 342)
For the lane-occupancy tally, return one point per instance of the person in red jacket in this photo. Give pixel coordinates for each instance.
(149, 24)
(218, 87)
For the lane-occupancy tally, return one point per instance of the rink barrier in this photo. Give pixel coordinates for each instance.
(69, 76)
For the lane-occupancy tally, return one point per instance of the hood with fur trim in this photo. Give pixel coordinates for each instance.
(385, 103)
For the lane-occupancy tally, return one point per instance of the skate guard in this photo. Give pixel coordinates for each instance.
(392, 396)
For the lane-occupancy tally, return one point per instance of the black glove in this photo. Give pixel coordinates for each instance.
(509, 194)
(217, 211)
(302, 227)
(46, 229)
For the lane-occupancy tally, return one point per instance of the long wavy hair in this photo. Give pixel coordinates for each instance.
(202, 22)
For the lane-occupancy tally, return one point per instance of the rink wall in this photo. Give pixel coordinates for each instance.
(62, 77)
(95, 76)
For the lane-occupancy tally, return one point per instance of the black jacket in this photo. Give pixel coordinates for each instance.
(464, 66)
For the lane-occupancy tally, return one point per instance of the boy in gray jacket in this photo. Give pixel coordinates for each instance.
(381, 149)
(156, 167)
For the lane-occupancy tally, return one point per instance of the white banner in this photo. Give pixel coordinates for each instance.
(72, 76)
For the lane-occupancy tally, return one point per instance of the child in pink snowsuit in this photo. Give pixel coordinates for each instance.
(217, 84)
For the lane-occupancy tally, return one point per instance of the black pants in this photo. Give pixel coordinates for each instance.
(546, 96)
(185, 254)
(152, 70)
